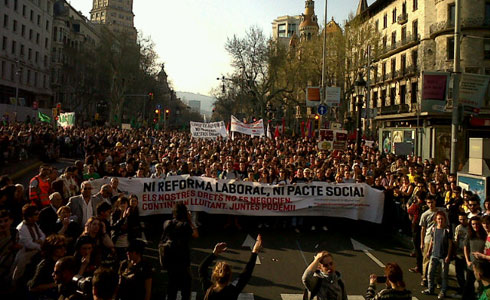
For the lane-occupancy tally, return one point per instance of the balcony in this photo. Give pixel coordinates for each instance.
(406, 42)
(467, 23)
(394, 109)
(402, 19)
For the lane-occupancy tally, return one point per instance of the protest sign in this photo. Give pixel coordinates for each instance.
(66, 120)
(208, 130)
(253, 129)
(356, 201)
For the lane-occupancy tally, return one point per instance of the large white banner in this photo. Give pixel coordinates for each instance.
(253, 129)
(66, 120)
(208, 130)
(356, 201)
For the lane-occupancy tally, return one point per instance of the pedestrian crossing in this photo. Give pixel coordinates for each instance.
(250, 296)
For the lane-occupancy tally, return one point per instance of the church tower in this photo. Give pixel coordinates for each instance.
(116, 15)
(309, 21)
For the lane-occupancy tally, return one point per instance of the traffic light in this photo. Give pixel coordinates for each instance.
(317, 117)
(167, 113)
(157, 111)
(150, 96)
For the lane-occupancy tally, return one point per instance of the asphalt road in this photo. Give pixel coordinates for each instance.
(286, 254)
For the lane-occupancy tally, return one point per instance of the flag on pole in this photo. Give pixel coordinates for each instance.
(43, 117)
(276, 133)
(283, 125)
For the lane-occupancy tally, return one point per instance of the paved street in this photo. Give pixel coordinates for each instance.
(286, 255)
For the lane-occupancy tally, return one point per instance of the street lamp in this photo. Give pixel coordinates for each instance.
(360, 85)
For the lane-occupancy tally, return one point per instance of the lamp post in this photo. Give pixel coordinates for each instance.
(360, 85)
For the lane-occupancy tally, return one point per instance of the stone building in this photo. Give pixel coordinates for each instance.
(72, 33)
(417, 37)
(116, 15)
(309, 21)
(284, 28)
(25, 45)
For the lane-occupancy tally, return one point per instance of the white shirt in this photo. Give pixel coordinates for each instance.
(87, 210)
(25, 238)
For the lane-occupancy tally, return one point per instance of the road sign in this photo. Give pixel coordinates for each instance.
(322, 109)
(159, 106)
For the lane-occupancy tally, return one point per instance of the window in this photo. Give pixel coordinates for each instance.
(383, 70)
(486, 48)
(393, 39)
(55, 33)
(7, 3)
(45, 61)
(404, 8)
(451, 12)
(376, 25)
(36, 59)
(393, 67)
(291, 29)
(31, 16)
(415, 29)
(5, 21)
(413, 96)
(16, 5)
(38, 20)
(4, 43)
(403, 92)
(403, 63)
(47, 25)
(384, 101)
(30, 34)
(450, 48)
(281, 30)
(23, 10)
(46, 42)
(22, 50)
(404, 34)
(4, 68)
(29, 54)
(375, 99)
(35, 79)
(393, 16)
(414, 57)
(28, 76)
(14, 47)
(415, 5)
(37, 38)
(392, 96)
(14, 27)
(23, 30)
(385, 21)
(385, 39)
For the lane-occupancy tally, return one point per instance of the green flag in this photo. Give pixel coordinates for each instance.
(43, 117)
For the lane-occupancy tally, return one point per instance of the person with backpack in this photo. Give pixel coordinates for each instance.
(175, 251)
(219, 287)
(321, 279)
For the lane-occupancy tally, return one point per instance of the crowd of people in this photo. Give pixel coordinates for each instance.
(61, 215)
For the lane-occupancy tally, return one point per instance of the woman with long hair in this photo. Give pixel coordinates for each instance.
(218, 286)
(475, 242)
(104, 246)
(395, 286)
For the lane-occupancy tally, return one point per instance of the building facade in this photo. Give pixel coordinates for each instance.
(284, 28)
(25, 45)
(116, 15)
(417, 37)
(72, 33)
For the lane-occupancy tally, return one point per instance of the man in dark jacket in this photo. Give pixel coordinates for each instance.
(322, 280)
(48, 215)
(179, 231)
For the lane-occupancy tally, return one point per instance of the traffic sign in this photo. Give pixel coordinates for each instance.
(322, 109)
(159, 106)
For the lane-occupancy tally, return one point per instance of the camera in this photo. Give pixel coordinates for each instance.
(380, 279)
(83, 285)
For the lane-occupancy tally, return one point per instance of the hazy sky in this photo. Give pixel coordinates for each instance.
(190, 35)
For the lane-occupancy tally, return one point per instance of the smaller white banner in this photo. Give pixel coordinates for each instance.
(253, 129)
(208, 130)
(66, 119)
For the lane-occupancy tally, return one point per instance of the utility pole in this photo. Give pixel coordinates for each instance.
(324, 62)
(456, 73)
(368, 91)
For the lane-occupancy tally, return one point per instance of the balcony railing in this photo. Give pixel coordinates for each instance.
(465, 23)
(402, 19)
(408, 39)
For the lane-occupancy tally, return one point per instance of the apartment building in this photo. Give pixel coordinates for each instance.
(25, 44)
(116, 15)
(417, 37)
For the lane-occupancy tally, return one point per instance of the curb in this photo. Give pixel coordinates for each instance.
(26, 170)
